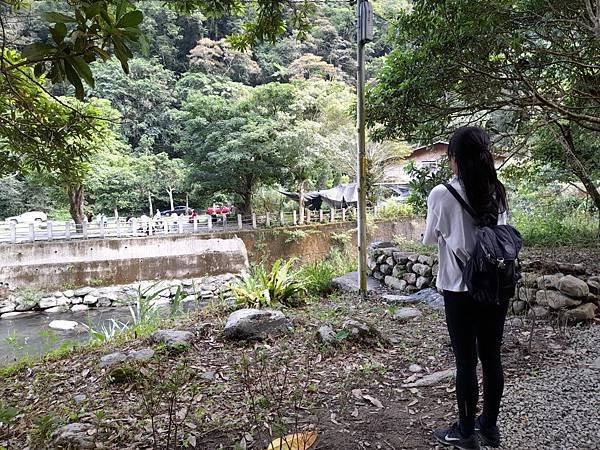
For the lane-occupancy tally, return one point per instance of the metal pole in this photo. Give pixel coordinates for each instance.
(361, 142)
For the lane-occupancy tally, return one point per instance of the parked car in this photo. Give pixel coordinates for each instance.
(217, 210)
(28, 217)
(179, 210)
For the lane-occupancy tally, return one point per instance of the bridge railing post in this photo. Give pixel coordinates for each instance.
(240, 222)
(49, 230)
(13, 232)
(254, 220)
(210, 222)
(67, 230)
(31, 232)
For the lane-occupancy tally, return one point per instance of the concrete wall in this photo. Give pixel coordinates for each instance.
(55, 265)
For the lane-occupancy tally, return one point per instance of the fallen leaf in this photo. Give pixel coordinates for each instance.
(373, 400)
(298, 441)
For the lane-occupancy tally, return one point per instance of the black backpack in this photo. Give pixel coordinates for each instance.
(492, 272)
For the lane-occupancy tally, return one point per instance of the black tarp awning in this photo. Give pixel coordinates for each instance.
(340, 196)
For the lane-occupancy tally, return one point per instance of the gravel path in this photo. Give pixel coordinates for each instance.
(559, 408)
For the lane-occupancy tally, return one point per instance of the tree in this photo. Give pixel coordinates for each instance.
(459, 61)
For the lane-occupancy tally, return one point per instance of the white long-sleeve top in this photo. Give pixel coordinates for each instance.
(453, 230)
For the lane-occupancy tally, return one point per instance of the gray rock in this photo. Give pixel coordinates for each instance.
(555, 299)
(80, 398)
(64, 325)
(398, 271)
(143, 354)
(421, 269)
(431, 297)
(527, 294)
(89, 299)
(388, 251)
(380, 245)
(326, 334)
(381, 259)
(82, 292)
(518, 307)
(413, 257)
(390, 261)
(371, 264)
(398, 299)
(539, 312)
(529, 279)
(435, 269)
(410, 289)
(112, 359)
(425, 259)
(7, 306)
(26, 304)
(594, 286)
(410, 278)
(255, 324)
(47, 302)
(69, 293)
(385, 269)
(349, 283)
(409, 266)
(415, 368)
(172, 339)
(395, 283)
(209, 375)
(573, 286)
(406, 314)
(76, 436)
(17, 314)
(595, 364)
(582, 313)
(362, 333)
(76, 300)
(423, 282)
(400, 257)
(433, 379)
(549, 281)
(378, 275)
(79, 308)
(57, 309)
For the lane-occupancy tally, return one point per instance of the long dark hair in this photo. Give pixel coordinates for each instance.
(470, 148)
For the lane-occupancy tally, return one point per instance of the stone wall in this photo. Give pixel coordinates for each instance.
(197, 290)
(407, 272)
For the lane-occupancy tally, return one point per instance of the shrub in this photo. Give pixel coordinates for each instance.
(318, 276)
(260, 288)
(392, 209)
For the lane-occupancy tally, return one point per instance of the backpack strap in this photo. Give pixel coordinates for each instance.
(463, 203)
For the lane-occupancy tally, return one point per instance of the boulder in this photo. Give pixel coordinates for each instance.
(409, 266)
(573, 286)
(17, 314)
(582, 313)
(26, 304)
(431, 297)
(76, 436)
(526, 294)
(390, 261)
(415, 368)
(362, 333)
(433, 379)
(371, 264)
(518, 307)
(410, 278)
(255, 324)
(406, 314)
(393, 299)
(435, 269)
(539, 312)
(529, 279)
(69, 293)
(594, 286)
(413, 257)
(395, 283)
(380, 244)
(555, 299)
(112, 359)
(385, 269)
(423, 282)
(421, 269)
(349, 283)
(398, 271)
(79, 308)
(143, 354)
(7, 306)
(47, 302)
(82, 292)
(67, 325)
(425, 259)
(57, 309)
(378, 275)
(172, 339)
(400, 257)
(549, 281)
(89, 299)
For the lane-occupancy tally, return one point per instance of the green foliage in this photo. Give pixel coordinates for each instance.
(43, 427)
(259, 288)
(392, 209)
(406, 244)
(423, 180)
(317, 276)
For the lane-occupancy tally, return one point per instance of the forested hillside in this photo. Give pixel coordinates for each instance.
(201, 121)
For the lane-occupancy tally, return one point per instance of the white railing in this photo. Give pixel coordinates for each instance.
(139, 227)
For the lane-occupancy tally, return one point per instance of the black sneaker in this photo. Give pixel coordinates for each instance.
(453, 436)
(489, 436)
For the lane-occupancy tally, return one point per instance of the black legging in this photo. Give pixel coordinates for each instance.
(476, 329)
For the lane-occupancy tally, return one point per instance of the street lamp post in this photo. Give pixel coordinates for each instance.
(364, 13)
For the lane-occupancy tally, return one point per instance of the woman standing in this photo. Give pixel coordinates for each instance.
(475, 328)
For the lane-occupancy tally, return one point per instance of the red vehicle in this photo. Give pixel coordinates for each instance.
(217, 210)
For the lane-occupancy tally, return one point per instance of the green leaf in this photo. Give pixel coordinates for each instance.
(74, 79)
(37, 50)
(59, 31)
(131, 19)
(56, 17)
(39, 69)
(83, 69)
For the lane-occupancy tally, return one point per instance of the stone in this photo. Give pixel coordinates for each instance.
(70, 293)
(385, 269)
(406, 314)
(349, 283)
(595, 364)
(398, 271)
(80, 398)
(7, 306)
(189, 298)
(47, 302)
(425, 259)
(255, 324)
(380, 245)
(26, 304)
(17, 314)
(538, 312)
(143, 354)
(361, 332)
(209, 375)
(390, 261)
(529, 279)
(82, 292)
(172, 339)
(411, 289)
(76, 300)
(518, 307)
(371, 264)
(394, 283)
(67, 325)
(159, 301)
(393, 299)
(112, 359)
(79, 308)
(378, 275)
(423, 282)
(431, 297)
(326, 334)
(555, 299)
(381, 259)
(415, 368)
(76, 436)
(409, 266)
(594, 286)
(89, 299)
(527, 294)
(410, 278)
(433, 379)
(400, 257)
(388, 251)
(548, 281)
(57, 309)
(421, 269)
(435, 269)
(413, 257)
(582, 313)
(573, 286)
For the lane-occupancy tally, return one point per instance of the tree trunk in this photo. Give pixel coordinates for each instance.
(170, 191)
(150, 204)
(578, 168)
(301, 200)
(246, 208)
(75, 194)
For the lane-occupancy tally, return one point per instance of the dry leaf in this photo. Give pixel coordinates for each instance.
(373, 400)
(298, 441)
